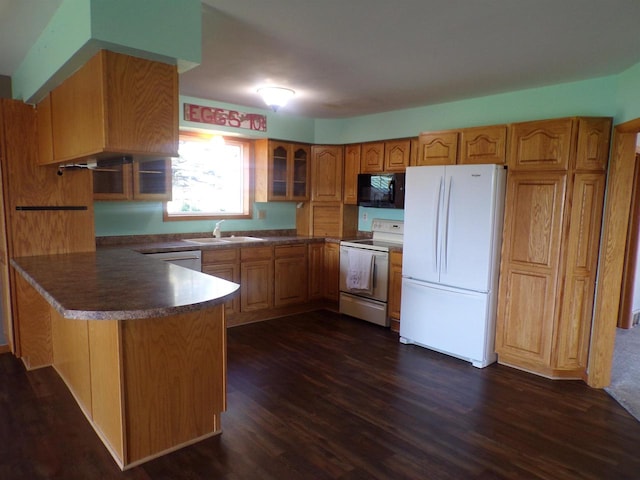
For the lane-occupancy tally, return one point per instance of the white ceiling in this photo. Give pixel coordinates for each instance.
(354, 57)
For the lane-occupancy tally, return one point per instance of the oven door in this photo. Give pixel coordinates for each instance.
(380, 274)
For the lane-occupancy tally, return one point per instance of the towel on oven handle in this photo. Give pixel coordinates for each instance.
(360, 271)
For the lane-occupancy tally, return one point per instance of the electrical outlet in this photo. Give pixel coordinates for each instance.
(262, 214)
(364, 216)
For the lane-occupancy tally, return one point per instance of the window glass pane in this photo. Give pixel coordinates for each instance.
(208, 179)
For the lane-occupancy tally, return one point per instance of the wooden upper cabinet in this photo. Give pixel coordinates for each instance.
(372, 160)
(145, 179)
(437, 148)
(282, 171)
(115, 104)
(541, 145)
(351, 171)
(327, 169)
(483, 145)
(396, 155)
(593, 144)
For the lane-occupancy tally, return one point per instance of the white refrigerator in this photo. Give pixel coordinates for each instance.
(451, 254)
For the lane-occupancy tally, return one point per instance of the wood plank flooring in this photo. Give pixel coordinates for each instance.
(323, 396)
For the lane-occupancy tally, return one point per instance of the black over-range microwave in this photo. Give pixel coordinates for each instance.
(381, 190)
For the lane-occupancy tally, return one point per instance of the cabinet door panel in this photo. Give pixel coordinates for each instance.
(527, 293)
(316, 271)
(300, 172)
(256, 285)
(372, 157)
(396, 155)
(351, 171)
(226, 271)
(290, 281)
(574, 329)
(331, 271)
(483, 145)
(542, 145)
(438, 148)
(327, 165)
(593, 144)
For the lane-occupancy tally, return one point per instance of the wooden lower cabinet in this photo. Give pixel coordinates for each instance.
(395, 289)
(332, 271)
(225, 264)
(256, 278)
(291, 279)
(316, 271)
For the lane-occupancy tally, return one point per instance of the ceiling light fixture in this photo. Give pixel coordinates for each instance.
(276, 97)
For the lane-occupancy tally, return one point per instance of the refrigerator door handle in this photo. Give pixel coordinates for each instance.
(446, 225)
(436, 231)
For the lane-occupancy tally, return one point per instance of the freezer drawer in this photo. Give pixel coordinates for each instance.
(451, 321)
(364, 308)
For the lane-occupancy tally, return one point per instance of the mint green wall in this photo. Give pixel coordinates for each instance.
(279, 125)
(165, 30)
(628, 95)
(143, 218)
(590, 97)
(68, 31)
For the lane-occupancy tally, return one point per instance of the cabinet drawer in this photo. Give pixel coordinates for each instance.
(256, 253)
(290, 251)
(222, 255)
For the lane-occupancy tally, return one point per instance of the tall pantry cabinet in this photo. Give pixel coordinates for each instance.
(553, 214)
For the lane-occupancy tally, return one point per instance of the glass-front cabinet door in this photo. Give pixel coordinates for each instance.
(279, 169)
(300, 173)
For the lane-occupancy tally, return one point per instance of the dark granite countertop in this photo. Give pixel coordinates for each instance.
(119, 284)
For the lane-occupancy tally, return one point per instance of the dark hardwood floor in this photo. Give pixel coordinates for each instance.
(321, 396)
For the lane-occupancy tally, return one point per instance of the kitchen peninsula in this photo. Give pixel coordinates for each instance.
(139, 342)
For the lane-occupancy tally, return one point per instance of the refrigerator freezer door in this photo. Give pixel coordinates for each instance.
(424, 191)
(468, 227)
(448, 320)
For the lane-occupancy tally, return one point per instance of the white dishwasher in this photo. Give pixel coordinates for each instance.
(191, 259)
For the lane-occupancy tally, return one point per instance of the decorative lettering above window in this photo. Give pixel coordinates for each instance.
(225, 118)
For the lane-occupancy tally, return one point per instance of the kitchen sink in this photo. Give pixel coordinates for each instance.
(242, 239)
(213, 240)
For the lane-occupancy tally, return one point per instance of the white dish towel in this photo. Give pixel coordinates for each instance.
(360, 273)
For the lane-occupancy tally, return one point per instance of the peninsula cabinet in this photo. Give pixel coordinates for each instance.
(225, 264)
(352, 155)
(291, 275)
(553, 214)
(256, 278)
(144, 179)
(282, 171)
(327, 170)
(114, 105)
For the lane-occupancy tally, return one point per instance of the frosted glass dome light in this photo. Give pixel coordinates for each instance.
(276, 97)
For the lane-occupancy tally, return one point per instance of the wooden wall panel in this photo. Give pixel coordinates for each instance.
(615, 225)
